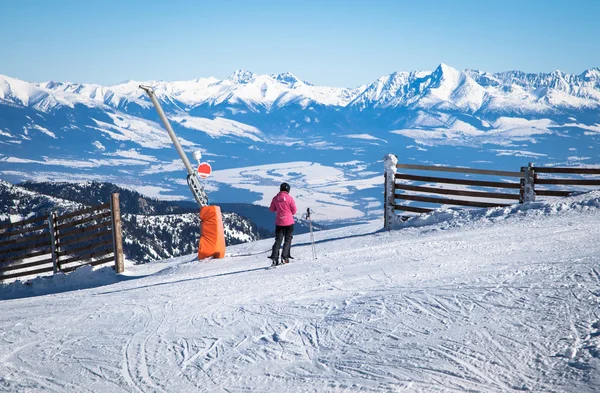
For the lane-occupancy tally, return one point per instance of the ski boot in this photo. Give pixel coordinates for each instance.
(275, 261)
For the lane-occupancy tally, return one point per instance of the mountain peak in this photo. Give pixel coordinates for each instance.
(287, 78)
(444, 68)
(242, 76)
(591, 74)
(446, 75)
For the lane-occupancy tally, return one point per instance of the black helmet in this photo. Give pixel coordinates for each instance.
(284, 187)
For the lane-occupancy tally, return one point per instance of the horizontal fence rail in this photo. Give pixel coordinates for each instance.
(412, 209)
(573, 171)
(572, 182)
(460, 170)
(25, 245)
(24, 230)
(495, 195)
(562, 181)
(62, 243)
(18, 224)
(465, 182)
(446, 201)
(487, 189)
(491, 189)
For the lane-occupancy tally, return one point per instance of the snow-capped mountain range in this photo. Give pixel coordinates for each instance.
(74, 131)
(469, 91)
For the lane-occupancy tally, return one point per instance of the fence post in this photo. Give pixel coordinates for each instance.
(389, 214)
(53, 238)
(115, 215)
(385, 196)
(527, 192)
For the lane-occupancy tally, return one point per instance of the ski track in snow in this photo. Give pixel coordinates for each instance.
(481, 306)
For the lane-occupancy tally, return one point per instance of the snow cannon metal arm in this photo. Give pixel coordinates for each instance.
(192, 178)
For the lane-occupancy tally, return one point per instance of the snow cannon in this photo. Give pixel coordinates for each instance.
(212, 234)
(212, 237)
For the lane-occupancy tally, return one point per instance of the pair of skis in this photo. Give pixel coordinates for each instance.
(274, 265)
(279, 263)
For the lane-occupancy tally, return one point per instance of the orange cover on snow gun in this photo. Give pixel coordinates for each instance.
(212, 237)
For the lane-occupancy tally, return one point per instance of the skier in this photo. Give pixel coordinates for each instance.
(285, 207)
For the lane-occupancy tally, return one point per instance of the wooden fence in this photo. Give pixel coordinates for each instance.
(481, 188)
(54, 243)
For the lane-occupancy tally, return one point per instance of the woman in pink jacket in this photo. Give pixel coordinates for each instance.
(285, 207)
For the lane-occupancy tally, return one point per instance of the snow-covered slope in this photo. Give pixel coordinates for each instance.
(18, 203)
(483, 301)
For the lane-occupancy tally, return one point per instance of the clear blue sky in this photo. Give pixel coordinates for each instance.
(326, 42)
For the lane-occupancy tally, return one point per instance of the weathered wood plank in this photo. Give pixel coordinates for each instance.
(490, 172)
(478, 194)
(85, 247)
(25, 239)
(27, 273)
(25, 265)
(447, 201)
(571, 182)
(24, 230)
(82, 239)
(94, 263)
(84, 220)
(83, 211)
(386, 223)
(53, 234)
(83, 230)
(457, 181)
(24, 222)
(553, 193)
(116, 231)
(575, 171)
(25, 256)
(27, 247)
(413, 209)
(81, 257)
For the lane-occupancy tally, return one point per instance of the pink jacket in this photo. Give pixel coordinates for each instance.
(285, 207)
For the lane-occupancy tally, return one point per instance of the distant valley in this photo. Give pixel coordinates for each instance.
(327, 142)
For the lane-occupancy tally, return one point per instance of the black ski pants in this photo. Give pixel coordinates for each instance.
(282, 233)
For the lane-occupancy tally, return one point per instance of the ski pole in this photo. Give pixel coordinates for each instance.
(312, 236)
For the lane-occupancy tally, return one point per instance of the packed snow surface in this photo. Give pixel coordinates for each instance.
(501, 300)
